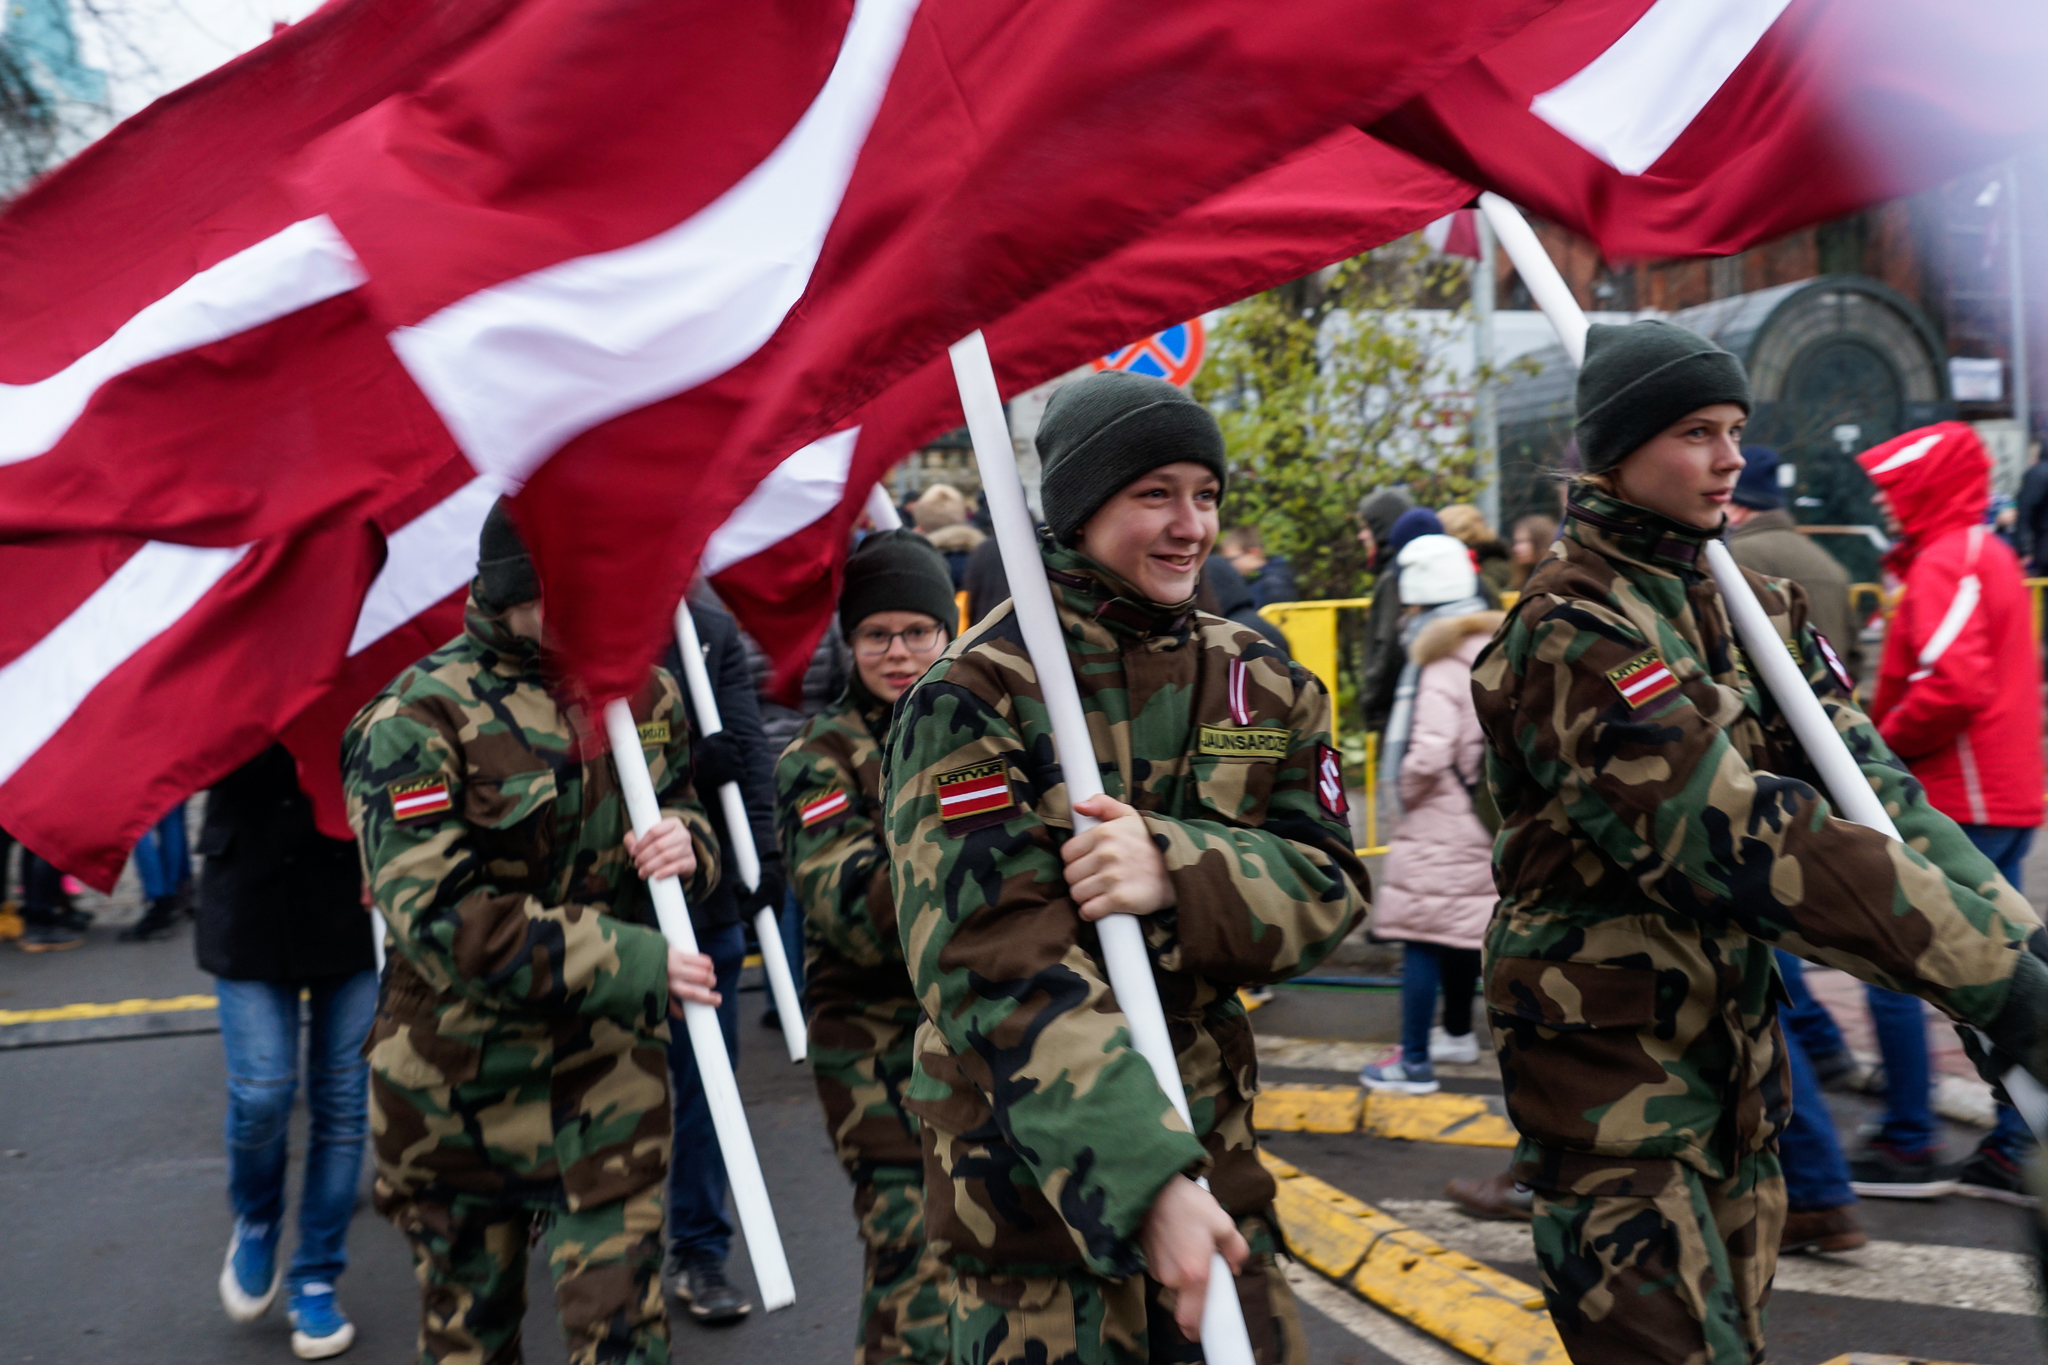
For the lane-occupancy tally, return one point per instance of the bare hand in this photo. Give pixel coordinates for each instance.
(1183, 1229)
(1115, 868)
(665, 852)
(691, 977)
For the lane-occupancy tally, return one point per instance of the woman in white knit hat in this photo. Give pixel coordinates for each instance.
(1436, 891)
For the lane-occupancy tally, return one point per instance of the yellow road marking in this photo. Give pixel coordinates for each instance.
(1461, 1120)
(1865, 1358)
(109, 1010)
(1454, 1298)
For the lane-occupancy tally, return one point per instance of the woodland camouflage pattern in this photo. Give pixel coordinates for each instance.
(1046, 1135)
(1652, 854)
(863, 1016)
(519, 1049)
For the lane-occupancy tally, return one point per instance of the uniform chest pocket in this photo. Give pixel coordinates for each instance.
(512, 825)
(1236, 789)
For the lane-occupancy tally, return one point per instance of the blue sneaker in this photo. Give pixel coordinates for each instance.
(250, 1280)
(319, 1329)
(1397, 1077)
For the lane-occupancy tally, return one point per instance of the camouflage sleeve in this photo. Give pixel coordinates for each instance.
(432, 880)
(677, 794)
(1008, 973)
(1659, 789)
(832, 847)
(1260, 904)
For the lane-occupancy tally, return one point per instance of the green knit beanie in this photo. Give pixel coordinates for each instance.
(505, 575)
(897, 571)
(1102, 432)
(1640, 378)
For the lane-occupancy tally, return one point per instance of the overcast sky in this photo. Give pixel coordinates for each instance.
(149, 47)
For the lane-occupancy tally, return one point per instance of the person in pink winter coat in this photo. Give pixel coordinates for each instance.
(1436, 892)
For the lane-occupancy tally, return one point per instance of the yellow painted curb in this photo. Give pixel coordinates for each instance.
(109, 1010)
(1461, 1120)
(1461, 1302)
(1865, 1358)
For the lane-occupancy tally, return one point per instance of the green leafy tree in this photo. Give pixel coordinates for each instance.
(1336, 385)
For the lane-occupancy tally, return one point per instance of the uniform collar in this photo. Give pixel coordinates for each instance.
(1084, 588)
(1635, 535)
(874, 713)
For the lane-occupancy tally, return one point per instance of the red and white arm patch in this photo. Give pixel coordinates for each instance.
(832, 803)
(1834, 663)
(978, 789)
(1330, 783)
(1643, 679)
(417, 797)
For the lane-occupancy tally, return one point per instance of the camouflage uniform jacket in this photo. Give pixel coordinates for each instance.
(1662, 830)
(1047, 1137)
(828, 790)
(521, 1033)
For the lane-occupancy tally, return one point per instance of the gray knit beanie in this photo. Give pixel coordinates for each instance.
(1110, 428)
(897, 571)
(1640, 378)
(505, 575)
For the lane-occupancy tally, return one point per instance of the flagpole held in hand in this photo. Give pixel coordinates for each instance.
(1843, 780)
(740, 836)
(707, 1040)
(1224, 1339)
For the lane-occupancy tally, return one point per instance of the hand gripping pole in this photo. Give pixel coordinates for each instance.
(707, 1042)
(740, 835)
(1224, 1339)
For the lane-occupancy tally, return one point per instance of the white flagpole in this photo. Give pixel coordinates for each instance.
(707, 1040)
(740, 835)
(1224, 1339)
(1847, 788)
(882, 511)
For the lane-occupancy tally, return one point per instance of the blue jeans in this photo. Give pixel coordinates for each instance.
(162, 858)
(1806, 1019)
(259, 1028)
(696, 1178)
(1426, 968)
(1901, 1022)
(1809, 1150)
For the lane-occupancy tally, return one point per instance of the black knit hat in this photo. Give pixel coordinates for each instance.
(1099, 434)
(1640, 378)
(504, 570)
(896, 571)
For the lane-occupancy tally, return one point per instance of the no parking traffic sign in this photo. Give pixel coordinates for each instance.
(1173, 355)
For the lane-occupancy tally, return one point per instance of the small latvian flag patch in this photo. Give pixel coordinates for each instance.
(1834, 663)
(978, 789)
(824, 808)
(1642, 679)
(417, 796)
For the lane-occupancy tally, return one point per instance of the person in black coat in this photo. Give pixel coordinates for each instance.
(281, 911)
(700, 1237)
(1225, 593)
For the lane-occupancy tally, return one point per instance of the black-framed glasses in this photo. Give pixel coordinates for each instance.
(874, 642)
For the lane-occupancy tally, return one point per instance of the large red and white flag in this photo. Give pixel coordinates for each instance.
(1695, 127)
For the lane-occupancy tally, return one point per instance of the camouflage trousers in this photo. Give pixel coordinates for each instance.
(905, 1288)
(1083, 1319)
(1655, 1264)
(469, 1252)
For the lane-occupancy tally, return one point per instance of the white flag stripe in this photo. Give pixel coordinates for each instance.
(981, 793)
(296, 268)
(424, 560)
(146, 596)
(800, 490)
(1647, 681)
(521, 368)
(406, 805)
(1629, 104)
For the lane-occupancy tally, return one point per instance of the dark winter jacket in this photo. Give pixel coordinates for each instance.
(1274, 582)
(278, 900)
(1234, 601)
(744, 757)
(986, 581)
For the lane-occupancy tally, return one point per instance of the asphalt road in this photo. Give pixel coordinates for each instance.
(112, 1189)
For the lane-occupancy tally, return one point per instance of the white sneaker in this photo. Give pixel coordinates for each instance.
(1445, 1047)
(251, 1262)
(319, 1328)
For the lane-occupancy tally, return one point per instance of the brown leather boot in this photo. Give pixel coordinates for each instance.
(1821, 1230)
(1494, 1197)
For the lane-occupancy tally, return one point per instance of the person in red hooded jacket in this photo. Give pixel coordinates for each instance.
(1959, 699)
